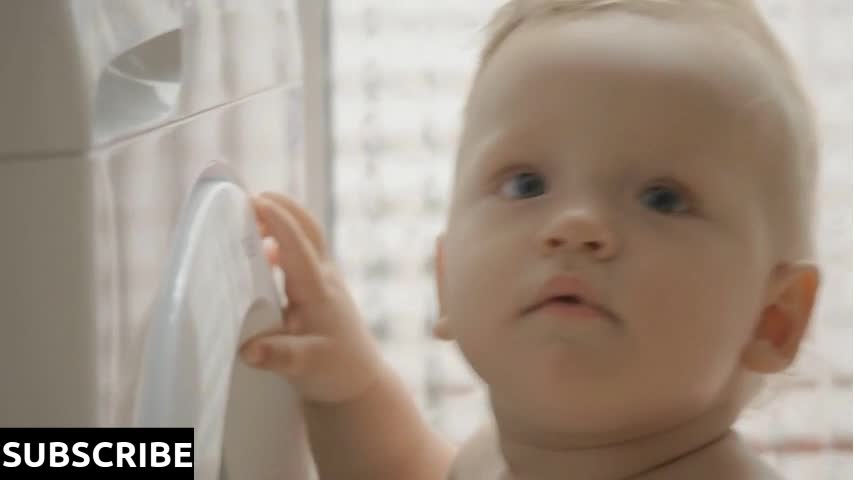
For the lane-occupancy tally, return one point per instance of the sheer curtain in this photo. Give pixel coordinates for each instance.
(399, 73)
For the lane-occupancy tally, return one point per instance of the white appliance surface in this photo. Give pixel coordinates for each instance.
(130, 265)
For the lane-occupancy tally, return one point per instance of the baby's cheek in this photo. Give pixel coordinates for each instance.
(693, 301)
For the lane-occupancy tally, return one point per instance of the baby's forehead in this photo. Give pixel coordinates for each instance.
(712, 54)
(603, 63)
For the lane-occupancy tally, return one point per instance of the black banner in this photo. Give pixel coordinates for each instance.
(95, 452)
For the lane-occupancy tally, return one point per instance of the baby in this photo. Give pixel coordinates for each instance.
(627, 256)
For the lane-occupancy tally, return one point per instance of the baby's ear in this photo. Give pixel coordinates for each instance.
(442, 328)
(784, 319)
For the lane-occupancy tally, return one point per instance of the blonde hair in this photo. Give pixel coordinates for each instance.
(795, 185)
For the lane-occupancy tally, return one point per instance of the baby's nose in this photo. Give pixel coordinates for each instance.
(581, 231)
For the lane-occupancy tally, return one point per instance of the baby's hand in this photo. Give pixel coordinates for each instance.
(322, 346)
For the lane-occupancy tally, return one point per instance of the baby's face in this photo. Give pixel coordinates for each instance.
(626, 154)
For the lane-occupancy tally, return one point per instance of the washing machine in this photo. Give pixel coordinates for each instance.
(131, 269)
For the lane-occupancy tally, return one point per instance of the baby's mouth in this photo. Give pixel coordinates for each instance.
(571, 307)
(557, 299)
(568, 296)
(570, 299)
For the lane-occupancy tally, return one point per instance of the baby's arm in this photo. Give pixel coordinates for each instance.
(361, 422)
(379, 435)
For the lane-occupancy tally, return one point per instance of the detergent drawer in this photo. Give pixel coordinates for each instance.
(78, 74)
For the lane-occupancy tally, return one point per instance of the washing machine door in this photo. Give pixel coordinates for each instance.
(218, 291)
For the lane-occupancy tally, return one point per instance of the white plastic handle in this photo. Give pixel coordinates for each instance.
(218, 291)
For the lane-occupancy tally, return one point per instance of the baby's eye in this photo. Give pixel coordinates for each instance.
(524, 185)
(665, 199)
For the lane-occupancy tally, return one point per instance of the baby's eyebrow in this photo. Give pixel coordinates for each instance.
(500, 143)
(486, 148)
(489, 144)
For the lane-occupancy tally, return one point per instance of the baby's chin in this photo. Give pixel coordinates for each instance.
(574, 428)
(599, 418)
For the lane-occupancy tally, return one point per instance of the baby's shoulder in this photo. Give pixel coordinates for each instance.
(747, 470)
(731, 458)
(479, 457)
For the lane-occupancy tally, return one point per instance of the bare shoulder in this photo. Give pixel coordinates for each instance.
(479, 457)
(757, 469)
(746, 464)
(731, 458)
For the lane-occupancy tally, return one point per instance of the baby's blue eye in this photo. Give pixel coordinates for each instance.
(524, 185)
(664, 199)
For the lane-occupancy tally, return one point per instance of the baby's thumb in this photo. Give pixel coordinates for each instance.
(286, 355)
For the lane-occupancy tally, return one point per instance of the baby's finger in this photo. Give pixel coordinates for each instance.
(256, 339)
(306, 221)
(267, 332)
(271, 251)
(262, 229)
(300, 263)
(290, 356)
